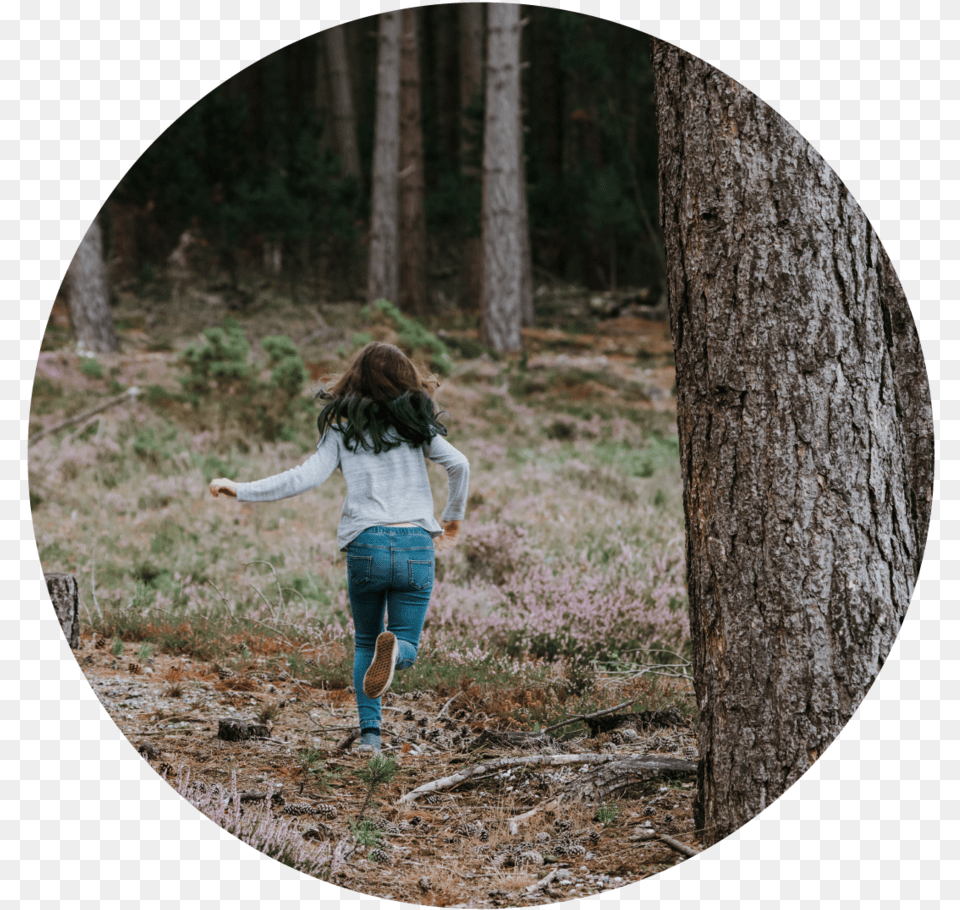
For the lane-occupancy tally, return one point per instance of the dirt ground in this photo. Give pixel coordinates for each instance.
(451, 848)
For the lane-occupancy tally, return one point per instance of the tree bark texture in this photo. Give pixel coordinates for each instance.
(383, 276)
(65, 597)
(503, 185)
(88, 295)
(806, 439)
(471, 80)
(341, 93)
(413, 230)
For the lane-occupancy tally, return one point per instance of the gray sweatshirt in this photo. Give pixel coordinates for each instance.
(382, 489)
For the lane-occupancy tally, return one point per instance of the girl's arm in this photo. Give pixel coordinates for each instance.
(313, 472)
(458, 477)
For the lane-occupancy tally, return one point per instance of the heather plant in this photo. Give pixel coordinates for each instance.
(259, 827)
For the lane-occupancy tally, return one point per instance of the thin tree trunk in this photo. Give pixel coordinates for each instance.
(527, 316)
(323, 98)
(503, 243)
(471, 97)
(344, 118)
(383, 274)
(805, 436)
(88, 295)
(413, 240)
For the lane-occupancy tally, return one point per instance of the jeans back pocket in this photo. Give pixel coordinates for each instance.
(420, 573)
(359, 569)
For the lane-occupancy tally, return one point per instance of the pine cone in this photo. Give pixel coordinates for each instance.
(593, 838)
(543, 838)
(381, 856)
(423, 720)
(327, 812)
(562, 824)
(298, 809)
(408, 714)
(425, 884)
(432, 799)
(529, 858)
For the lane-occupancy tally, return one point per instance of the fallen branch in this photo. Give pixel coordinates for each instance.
(536, 886)
(682, 849)
(653, 762)
(129, 395)
(348, 740)
(576, 717)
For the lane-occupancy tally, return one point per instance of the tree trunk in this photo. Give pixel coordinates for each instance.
(383, 275)
(344, 119)
(413, 239)
(89, 297)
(805, 436)
(65, 597)
(503, 188)
(471, 81)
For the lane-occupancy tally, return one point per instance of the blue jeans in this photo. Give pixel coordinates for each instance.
(389, 571)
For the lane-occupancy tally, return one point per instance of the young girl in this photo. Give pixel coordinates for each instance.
(379, 426)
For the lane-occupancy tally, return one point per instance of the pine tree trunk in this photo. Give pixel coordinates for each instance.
(413, 239)
(383, 275)
(471, 80)
(503, 243)
(471, 89)
(344, 118)
(88, 295)
(805, 436)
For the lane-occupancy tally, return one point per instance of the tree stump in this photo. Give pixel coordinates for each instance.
(235, 730)
(65, 597)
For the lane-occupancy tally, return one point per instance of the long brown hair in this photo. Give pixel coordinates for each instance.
(382, 390)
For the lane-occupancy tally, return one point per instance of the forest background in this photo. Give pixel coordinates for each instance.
(246, 223)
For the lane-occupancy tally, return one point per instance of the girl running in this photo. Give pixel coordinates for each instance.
(379, 426)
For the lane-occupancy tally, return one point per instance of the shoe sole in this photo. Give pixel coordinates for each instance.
(379, 674)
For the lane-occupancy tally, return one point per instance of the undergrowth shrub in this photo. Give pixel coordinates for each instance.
(220, 370)
(413, 337)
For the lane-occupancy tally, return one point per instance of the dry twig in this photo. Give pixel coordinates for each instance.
(577, 717)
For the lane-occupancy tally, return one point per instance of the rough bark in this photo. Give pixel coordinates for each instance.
(516, 739)
(805, 436)
(502, 218)
(413, 231)
(341, 96)
(607, 781)
(234, 730)
(383, 275)
(65, 597)
(89, 295)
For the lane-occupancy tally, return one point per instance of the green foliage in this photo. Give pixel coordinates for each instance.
(414, 338)
(312, 764)
(219, 364)
(220, 371)
(145, 652)
(116, 648)
(607, 814)
(365, 834)
(90, 366)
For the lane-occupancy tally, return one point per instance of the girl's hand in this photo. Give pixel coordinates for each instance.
(451, 531)
(222, 485)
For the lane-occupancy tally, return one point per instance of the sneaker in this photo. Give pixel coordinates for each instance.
(379, 674)
(369, 742)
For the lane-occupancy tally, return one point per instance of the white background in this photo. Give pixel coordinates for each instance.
(85, 87)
